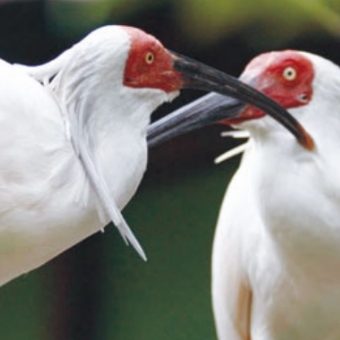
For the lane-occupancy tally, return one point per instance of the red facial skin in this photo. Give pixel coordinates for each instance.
(149, 64)
(268, 74)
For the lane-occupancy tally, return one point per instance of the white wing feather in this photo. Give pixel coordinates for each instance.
(49, 74)
(231, 289)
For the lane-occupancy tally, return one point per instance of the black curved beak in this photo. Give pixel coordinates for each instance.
(215, 107)
(209, 109)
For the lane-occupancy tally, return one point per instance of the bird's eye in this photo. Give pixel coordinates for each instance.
(289, 73)
(149, 58)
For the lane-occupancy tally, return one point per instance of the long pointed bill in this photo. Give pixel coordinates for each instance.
(213, 107)
(206, 110)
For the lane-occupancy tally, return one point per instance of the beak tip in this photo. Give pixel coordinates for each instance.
(306, 140)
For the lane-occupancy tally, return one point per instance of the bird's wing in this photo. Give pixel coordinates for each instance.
(231, 289)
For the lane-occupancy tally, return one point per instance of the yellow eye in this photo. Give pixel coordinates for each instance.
(149, 58)
(289, 73)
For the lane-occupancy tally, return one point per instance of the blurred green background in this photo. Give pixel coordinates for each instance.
(100, 289)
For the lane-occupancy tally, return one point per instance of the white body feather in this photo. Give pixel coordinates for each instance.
(276, 255)
(52, 133)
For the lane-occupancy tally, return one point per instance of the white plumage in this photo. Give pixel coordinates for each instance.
(276, 254)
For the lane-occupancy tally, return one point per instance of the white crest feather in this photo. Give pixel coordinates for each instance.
(239, 134)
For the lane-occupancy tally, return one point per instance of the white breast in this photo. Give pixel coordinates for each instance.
(295, 275)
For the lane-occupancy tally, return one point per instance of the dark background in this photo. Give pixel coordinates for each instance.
(100, 289)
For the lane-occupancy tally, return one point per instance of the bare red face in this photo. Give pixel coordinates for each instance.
(149, 64)
(285, 77)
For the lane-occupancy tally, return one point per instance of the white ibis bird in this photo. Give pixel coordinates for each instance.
(276, 252)
(73, 138)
